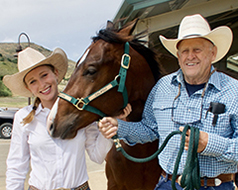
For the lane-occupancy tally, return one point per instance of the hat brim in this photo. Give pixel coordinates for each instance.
(15, 82)
(221, 37)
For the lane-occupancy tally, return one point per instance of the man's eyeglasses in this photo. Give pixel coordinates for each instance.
(179, 93)
(201, 108)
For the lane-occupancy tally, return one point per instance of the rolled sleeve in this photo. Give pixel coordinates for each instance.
(216, 146)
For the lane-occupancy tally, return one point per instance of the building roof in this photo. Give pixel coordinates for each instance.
(164, 16)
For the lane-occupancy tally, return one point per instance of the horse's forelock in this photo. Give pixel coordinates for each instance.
(111, 36)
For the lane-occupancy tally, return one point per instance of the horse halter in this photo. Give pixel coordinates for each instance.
(82, 103)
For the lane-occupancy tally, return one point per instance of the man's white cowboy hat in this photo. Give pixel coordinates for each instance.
(29, 59)
(195, 26)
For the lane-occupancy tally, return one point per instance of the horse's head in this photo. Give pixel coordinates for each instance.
(90, 84)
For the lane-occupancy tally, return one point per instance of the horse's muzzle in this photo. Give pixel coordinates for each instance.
(51, 117)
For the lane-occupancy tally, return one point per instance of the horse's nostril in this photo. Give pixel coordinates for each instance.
(51, 127)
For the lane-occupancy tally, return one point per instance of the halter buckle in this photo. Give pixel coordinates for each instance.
(117, 143)
(80, 102)
(123, 61)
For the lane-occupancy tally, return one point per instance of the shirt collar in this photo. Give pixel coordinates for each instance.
(213, 80)
(40, 109)
(177, 77)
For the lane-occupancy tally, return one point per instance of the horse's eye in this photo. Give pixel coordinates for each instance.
(89, 71)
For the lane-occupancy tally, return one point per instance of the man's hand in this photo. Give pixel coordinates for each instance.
(203, 139)
(108, 127)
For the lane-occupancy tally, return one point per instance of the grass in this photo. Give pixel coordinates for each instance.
(13, 102)
(20, 101)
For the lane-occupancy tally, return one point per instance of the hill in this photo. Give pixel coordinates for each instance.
(8, 59)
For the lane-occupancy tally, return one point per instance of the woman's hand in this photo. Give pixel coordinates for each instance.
(126, 111)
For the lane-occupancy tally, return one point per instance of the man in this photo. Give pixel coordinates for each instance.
(197, 95)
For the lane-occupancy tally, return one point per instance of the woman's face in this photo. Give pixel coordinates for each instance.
(42, 82)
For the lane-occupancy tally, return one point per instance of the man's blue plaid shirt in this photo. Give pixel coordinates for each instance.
(221, 154)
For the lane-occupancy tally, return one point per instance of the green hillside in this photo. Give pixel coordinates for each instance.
(8, 62)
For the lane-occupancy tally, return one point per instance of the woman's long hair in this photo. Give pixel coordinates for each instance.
(31, 115)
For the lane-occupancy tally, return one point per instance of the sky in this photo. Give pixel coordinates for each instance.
(68, 24)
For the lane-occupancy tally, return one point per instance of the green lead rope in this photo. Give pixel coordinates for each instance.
(191, 174)
(142, 160)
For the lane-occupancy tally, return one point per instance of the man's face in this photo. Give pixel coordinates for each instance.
(195, 56)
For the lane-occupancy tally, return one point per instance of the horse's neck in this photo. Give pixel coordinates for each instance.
(137, 109)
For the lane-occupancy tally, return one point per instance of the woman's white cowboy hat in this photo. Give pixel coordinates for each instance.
(29, 59)
(195, 26)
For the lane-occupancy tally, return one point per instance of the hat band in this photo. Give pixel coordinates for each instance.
(192, 35)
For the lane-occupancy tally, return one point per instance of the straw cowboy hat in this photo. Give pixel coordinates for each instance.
(195, 26)
(29, 59)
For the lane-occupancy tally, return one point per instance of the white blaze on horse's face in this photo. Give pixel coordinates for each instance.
(83, 57)
(51, 117)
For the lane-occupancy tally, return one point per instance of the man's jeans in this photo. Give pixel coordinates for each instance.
(165, 184)
(86, 189)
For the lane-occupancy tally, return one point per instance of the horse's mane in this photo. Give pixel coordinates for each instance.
(111, 35)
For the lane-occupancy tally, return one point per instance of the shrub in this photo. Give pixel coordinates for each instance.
(14, 61)
(4, 91)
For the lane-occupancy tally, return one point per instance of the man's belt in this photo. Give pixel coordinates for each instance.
(81, 187)
(210, 182)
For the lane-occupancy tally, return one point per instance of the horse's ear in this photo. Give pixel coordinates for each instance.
(128, 29)
(109, 24)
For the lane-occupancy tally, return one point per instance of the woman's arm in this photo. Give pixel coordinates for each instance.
(18, 157)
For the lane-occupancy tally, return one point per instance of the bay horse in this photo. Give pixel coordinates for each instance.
(100, 65)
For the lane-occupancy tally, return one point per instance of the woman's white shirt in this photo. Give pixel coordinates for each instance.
(54, 162)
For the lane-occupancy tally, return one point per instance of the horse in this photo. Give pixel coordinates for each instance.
(91, 78)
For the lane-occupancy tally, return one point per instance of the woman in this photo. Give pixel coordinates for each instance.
(55, 163)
